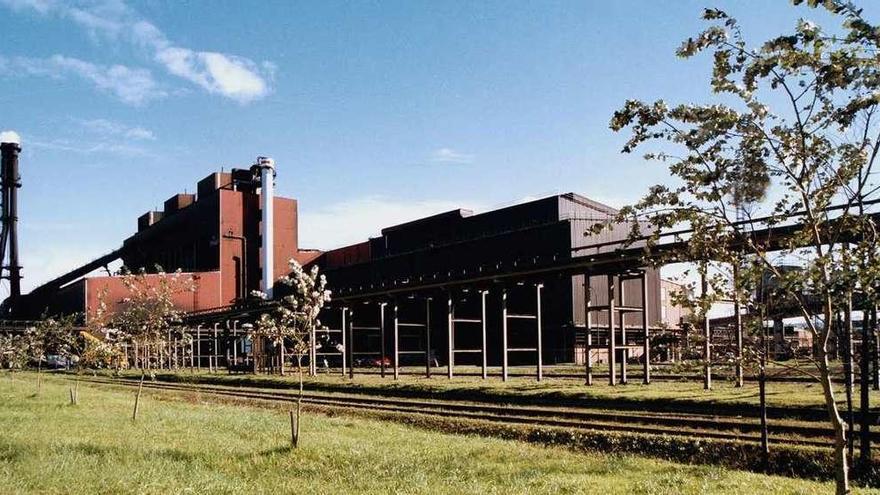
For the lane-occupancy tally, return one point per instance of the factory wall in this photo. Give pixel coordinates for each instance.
(205, 293)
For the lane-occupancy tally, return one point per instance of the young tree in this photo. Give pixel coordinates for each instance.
(295, 320)
(53, 336)
(148, 317)
(794, 131)
(13, 351)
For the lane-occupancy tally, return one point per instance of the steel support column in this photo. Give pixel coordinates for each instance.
(343, 330)
(739, 327)
(396, 343)
(504, 334)
(646, 343)
(483, 352)
(540, 347)
(612, 346)
(382, 339)
(428, 337)
(588, 326)
(450, 326)
(350, 344)
(624, 349)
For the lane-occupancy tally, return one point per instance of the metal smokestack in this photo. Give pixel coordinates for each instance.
(267, 231)
(10, 181)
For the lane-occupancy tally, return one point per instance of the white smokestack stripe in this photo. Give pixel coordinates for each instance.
(267, 231)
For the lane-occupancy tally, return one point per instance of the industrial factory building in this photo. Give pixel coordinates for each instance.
(472, 249)
(215, 235)
(516, 285)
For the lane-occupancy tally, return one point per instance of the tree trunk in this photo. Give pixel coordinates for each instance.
(295, 432)
(841, 464)
(281, 359)
(39, 376)
(294, 428)
(137, 397)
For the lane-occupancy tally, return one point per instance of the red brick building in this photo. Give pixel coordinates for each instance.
(214, 235)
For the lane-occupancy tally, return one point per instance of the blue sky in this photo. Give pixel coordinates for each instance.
(376, 112)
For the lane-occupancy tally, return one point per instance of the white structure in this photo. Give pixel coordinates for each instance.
(267, 194)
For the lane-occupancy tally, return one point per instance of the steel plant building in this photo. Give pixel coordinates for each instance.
(432, 290)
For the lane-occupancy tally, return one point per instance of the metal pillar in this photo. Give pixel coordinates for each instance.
(612, 346)
(235, 341)
(198, 347)
(450, 313)
(343, 330)
(624, 349)
(707, 344)
(483, 325)
(313, 352)
(350, 344)
(588, 324)
(215, 351)
(646, 350)
(428, 337)
(396, 343)
(875, 354)
(540, 347)
(864, 397)
(382, 339)
(504, 334)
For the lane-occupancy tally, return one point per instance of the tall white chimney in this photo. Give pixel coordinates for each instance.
(267, 233)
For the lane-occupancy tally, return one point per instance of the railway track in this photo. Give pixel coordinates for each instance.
(704, 426)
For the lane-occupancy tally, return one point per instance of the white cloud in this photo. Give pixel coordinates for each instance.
(109, 128)
(234, 77)
(231, 76)
(86, 148)
(353, 221)
(449, 155)
(132, 85)
(41, 6)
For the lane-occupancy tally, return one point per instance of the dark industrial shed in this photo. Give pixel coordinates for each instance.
(459, 244)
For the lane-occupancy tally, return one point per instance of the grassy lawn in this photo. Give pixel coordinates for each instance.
(779, 394)
(188, 447)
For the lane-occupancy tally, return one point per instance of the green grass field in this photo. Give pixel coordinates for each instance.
(48, 446)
